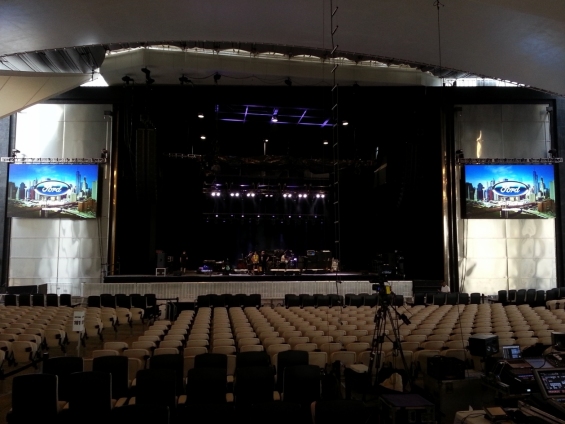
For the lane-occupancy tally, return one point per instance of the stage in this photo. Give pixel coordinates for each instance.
(272, 288)
(276, 276)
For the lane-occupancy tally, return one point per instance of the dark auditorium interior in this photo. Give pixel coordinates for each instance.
(269, 212)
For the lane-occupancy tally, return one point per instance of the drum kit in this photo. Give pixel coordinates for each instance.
(260, 263)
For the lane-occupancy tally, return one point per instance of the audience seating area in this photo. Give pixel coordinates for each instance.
(236, 356)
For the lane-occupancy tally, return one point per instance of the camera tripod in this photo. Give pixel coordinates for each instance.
(383, 315)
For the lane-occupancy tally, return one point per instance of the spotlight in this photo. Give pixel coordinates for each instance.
(304, 196)
(288, 81)
(184, 80)
(232, 194)
(217, 77)
(252, 194)
(326, 142)
(274, 119)
(345, 123)
(202, 137)
(236, 194)
(148, 79)
(300, 195)
(15, 152)
(323, 195)
(127, 79)
(201, 115)
(552, 153)
(459, 154)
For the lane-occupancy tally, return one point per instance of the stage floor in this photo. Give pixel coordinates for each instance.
(284, 275)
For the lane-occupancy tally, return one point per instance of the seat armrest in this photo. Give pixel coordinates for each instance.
(229, 379)
(276, 395)
(131, 401)
(181, 400)
(61, 404)
(229, 397)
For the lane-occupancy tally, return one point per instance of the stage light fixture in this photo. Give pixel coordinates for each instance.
(148, 79)
(326, 142)
(552, 153)
(274, 119)
(236, 194)
(15, 152)
(184, 80)
(232, 194)
(300, 195)
(345, 123)
(201, 115)
(323, 195)
(203, 137)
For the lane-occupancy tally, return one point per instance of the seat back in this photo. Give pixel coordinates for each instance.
(117, 366)
(286, 359)
(211, 360)
(92, 392)
(254, 384)
(34, 397)
(302, 384)
(63, 367)
(156, 387)
(174, 362)
(206, 385)
(252, 359)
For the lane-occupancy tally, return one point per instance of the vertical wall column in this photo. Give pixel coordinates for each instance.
(7, 126)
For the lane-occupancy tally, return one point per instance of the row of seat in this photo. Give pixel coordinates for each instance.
(163, 384)
(25, 332)
(40, 300)
(530, 297)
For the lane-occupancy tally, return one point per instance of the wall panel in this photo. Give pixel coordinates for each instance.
(61, 250)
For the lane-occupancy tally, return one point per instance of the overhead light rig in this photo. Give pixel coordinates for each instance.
(503, 161)
(69, 161)
(184, 156)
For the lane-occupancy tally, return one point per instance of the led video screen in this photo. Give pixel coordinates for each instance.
(52, 191)
(509, 192)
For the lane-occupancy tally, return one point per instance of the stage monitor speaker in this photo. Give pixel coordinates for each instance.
(325, 255)
(558, 340)
(161, 259)
(483, 345)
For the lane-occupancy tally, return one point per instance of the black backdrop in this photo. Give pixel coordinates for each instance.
(404, 214)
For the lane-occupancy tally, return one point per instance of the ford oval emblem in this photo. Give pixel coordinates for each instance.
(52, 188)
(510, 188)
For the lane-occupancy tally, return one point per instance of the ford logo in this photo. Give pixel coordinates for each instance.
(52, 188)
(510, 188)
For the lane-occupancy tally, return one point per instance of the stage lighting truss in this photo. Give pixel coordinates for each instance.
(262, 193)
(514, 161)
(265, 216)
(68, 161)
